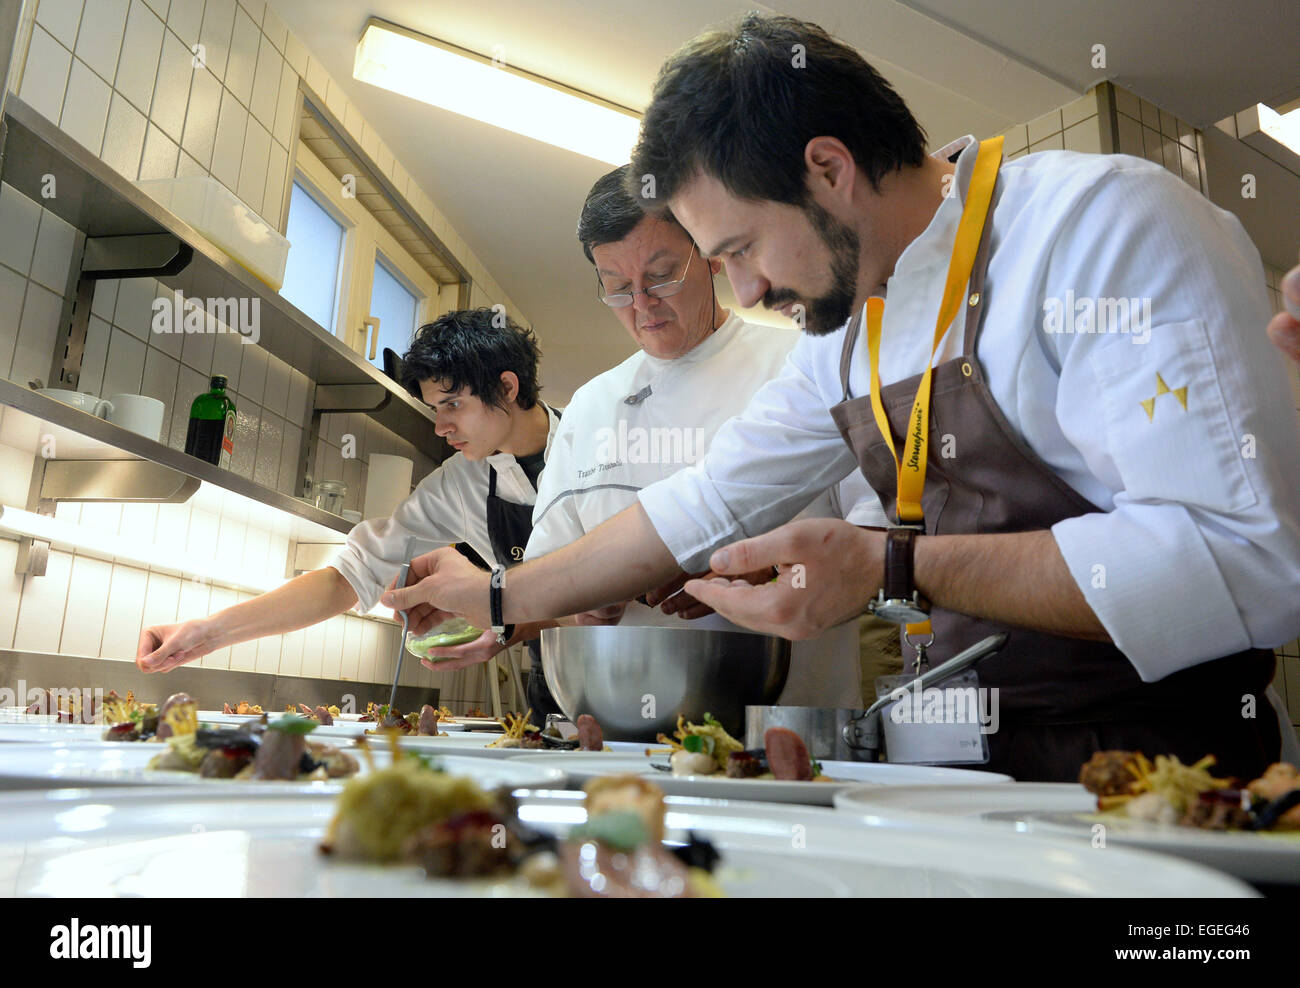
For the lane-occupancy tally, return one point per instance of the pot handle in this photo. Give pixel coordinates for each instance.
(863, 733)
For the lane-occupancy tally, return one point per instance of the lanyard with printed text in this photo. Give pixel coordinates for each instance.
(910, 467)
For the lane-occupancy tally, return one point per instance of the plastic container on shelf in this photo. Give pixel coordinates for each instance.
(218, 214)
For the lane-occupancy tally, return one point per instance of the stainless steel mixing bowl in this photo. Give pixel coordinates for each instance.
(636, 680)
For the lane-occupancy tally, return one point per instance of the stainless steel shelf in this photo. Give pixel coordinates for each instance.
(29, 417)
(95, 199)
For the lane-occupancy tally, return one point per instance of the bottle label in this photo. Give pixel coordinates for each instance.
(228, 441)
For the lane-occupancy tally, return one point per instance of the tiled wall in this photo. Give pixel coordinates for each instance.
(117, 76)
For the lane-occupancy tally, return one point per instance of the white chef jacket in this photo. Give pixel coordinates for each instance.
(448, 506)
(1194, 551)
(607, 450)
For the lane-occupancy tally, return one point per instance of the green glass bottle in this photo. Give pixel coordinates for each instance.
(211, 434)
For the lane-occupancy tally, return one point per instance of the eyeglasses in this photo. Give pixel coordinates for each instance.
(621, 300)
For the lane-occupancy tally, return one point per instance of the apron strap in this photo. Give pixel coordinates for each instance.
(492, 481)
(846, 355)
(975, 297)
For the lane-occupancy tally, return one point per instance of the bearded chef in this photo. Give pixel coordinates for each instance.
(1113, 486)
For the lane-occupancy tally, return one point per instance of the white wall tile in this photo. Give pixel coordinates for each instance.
(185, 17)
(20, 219)
(243, 657)
(137, 67)
(105, 517)
(1085, 137)
(159, 382)
(351, 665)
(85, 107)
(273, 195)
(197, 351)
(228, 151)
(1053, 142)
(15, 478)
(248, 418)
(124, 137)
(252, 171)
(286, 107)
(242, 63)
(256, 9)
(369, 648)
(11, 586)
(331, 661)
(52, 261)
(124, 370)
(161, 599)
(201, 118)
(37, 333)
(100, 40)
(253, 551)
(218, 22)
(95, 356)
(313, 650)
(159, 7)
(287, 476)
(318, 80)
(124, 620)
(275, 28)
(139, 523)
(87, 605)
(173, 523)
(268, 654)
(252, 373)
(277, 557)
(266, 465)
(40, 614)
(60, 18)
(336, 99)
(291, 647)
(266, 82)
(201, 542)
(227, 357)
(296, 53)
(172, 88)
(134, 309)
(159, 159)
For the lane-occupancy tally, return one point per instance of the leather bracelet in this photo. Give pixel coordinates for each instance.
(503, 631)
(900, 546)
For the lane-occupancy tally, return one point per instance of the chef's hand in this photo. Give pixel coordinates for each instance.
(166, 646)
(609, 614)
(827, 570)
(455, 657)
(1284, 330)
(441, 584)
(687, 607)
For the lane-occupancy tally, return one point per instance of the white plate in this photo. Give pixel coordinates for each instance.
(580, 766)
(109, 763)
(79, 843)
(1068, 811)
(476, 743)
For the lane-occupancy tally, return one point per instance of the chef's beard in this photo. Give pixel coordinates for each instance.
(828, 312)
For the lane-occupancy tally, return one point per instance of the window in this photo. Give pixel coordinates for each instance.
(395, 306)
(311, 277)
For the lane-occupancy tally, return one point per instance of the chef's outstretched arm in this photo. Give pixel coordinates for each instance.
(616, 561)
(828, 570)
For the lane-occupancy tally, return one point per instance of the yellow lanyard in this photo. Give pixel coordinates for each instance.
(916, 441)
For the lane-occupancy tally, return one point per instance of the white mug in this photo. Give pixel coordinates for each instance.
(80, 399)
(139, 413)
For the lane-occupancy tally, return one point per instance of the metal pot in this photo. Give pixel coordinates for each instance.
(636, 680)
(822, 730)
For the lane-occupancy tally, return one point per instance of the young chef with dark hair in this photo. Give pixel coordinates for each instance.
(1111, 485)
(477, 370)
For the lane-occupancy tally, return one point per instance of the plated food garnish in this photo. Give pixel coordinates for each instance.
(242, 707)
(1128, 784)
(257, 750)
(517, 732)
(707, 749)
(414, 812)
(423, 724)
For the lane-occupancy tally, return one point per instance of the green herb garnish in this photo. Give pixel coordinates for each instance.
(293, 724)
(622, 830)
(711, 720)
(699, 743)
(816, 767)
(427, 762)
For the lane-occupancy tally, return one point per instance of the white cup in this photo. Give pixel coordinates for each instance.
(83, 400)
(139, 413)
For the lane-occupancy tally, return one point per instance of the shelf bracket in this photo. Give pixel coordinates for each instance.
(152, 255)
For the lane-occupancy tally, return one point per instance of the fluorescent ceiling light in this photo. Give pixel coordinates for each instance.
(463, 82)
(1282, 127)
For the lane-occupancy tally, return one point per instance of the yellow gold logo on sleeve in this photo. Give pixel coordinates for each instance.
(1149, 404)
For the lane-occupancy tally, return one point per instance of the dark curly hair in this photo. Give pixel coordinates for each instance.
(473, 348)
(740, 104)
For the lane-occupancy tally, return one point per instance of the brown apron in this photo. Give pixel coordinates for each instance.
(1060, 699)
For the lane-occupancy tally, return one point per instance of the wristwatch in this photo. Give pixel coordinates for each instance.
(899, 602)
(503, 631)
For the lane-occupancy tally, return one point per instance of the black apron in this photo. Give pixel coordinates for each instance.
(509, 526)
(1061, 698)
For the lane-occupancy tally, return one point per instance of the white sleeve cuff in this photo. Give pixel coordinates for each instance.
(690, 517)
(364, 585)
(1152, 581)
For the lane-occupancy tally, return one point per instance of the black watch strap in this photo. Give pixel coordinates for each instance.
(900, 546)
(497, 607)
